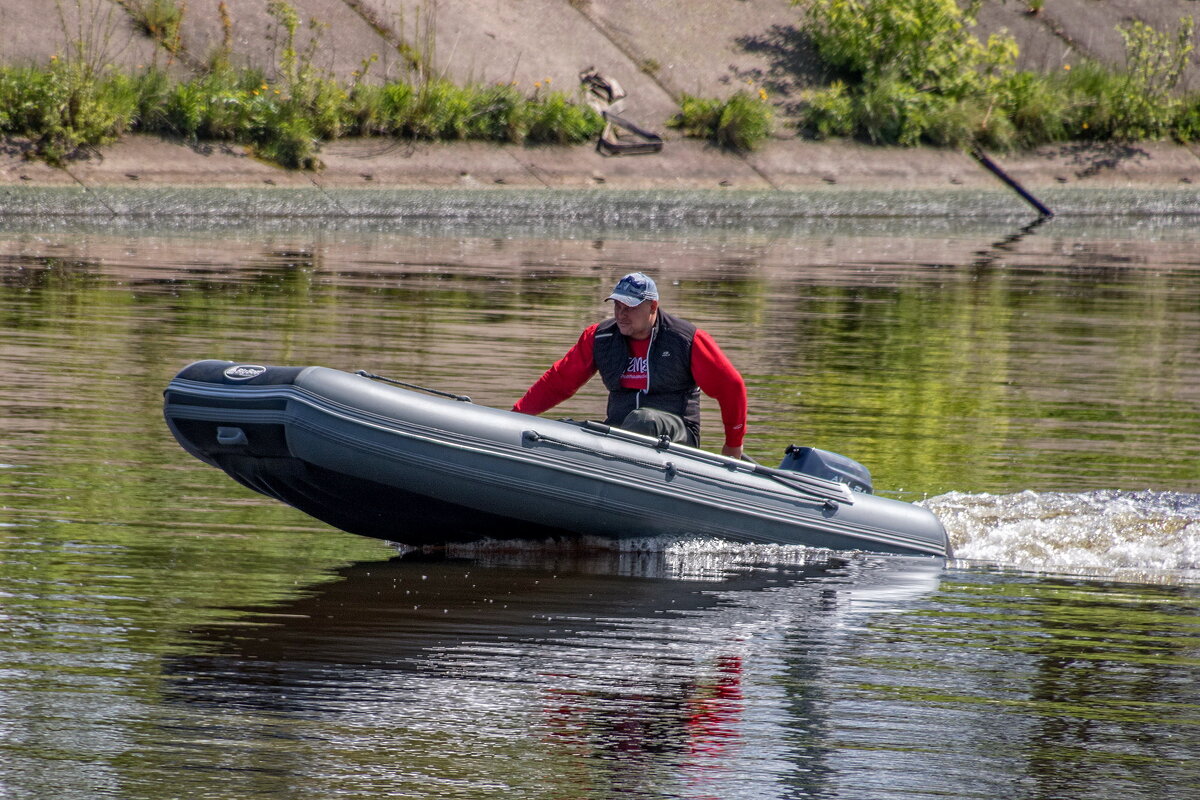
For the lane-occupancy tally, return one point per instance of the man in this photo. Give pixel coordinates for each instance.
(654, 366)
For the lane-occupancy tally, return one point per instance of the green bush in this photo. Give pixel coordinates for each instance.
(1187, 123)
(62, 112)
(66, 108)
(832, 112)
(440, 111)
(26, 102)
(1147, 108)
(745, 122)
(740, 123)
(554, 119)
(891, 111)
(73, 103)
(1089, 96)
(1036, 109)
(158, 19)
(504, 115)
(291, 142)
(225, 105)
(925, 44)
(910, 71)
(374, 110)
(698, 117)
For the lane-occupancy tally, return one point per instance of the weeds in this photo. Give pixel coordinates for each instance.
(910, 71)
(905, 72)
(78, 102)
(62, 109)
(161, 20)
(1147, 108)
(740, 123)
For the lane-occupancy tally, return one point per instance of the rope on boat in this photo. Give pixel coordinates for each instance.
(533, 437)
(827, 501)
(462, 398)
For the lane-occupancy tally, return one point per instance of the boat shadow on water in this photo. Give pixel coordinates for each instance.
(509, 611)
(642, 661)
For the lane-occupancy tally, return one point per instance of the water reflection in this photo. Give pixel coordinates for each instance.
(437, 612)
(1059, 359)
(997, 250)
(611, 675)
(166, 633)
(608, 665)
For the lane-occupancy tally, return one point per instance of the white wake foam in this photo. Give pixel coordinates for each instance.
(1154, 534)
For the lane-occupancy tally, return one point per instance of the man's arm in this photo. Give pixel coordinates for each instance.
(563, 379)
(718, 378)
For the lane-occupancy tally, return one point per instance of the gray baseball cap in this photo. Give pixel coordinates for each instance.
(634, 289)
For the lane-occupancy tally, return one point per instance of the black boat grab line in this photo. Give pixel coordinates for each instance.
(462, 398)
(828, 493)
(831, 499)
(818, 487)
(534, 437)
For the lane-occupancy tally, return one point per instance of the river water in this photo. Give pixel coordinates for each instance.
(166, 633)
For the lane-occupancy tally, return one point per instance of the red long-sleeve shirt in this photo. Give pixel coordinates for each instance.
(714, 374)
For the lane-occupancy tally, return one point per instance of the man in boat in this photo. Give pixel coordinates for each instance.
(654, 366)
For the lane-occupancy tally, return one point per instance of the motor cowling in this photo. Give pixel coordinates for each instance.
(827, 465)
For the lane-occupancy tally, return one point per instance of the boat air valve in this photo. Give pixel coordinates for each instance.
(663, 443)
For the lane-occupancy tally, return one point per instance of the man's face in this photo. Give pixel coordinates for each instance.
(636, 322)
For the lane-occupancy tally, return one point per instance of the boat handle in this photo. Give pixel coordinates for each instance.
(532, 437)
(231, 436)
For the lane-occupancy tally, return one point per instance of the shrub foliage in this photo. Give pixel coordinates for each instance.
(72, 105)
(901, 72)
(911, 71)
(739, 123)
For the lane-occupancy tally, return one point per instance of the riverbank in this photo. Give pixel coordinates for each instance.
(716, 47)
(789, 164)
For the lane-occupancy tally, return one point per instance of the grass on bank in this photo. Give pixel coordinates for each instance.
(741, 122)
(75, 103)
(911, 72)
(902, 72)
(63, 109)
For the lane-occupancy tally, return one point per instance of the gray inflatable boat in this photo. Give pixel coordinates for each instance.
(379, 460)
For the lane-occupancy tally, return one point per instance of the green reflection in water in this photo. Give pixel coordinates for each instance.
(1096, 650)
(1083, 689)
(940, 360)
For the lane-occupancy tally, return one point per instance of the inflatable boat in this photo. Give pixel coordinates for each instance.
(404, 465)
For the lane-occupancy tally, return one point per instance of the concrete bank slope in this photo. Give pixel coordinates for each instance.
(702, 47)
(657, 50)
(781, 165)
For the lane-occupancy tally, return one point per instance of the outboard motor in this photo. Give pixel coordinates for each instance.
(827, 465)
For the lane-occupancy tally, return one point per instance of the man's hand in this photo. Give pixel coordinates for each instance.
(732, 452)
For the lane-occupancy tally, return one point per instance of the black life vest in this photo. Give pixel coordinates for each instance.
(671, 385)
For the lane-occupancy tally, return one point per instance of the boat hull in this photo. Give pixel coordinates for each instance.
(399, 465)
